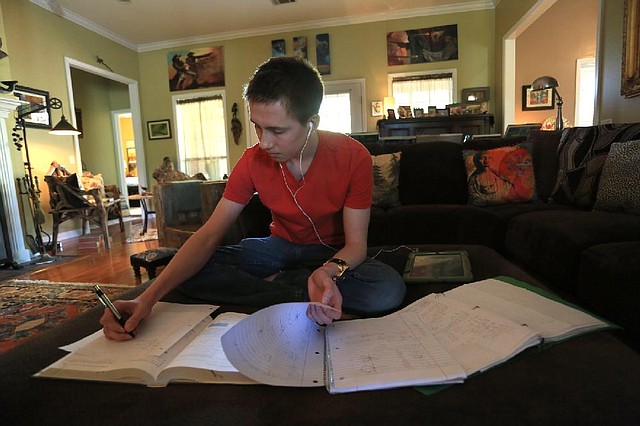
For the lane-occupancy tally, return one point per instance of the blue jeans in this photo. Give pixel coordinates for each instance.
(235, 275)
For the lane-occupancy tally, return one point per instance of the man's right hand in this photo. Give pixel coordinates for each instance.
(134, 310)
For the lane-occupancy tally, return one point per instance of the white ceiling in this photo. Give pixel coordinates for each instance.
(144, 25)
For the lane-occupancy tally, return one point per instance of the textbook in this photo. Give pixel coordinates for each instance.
(440, 339)
(176, 343)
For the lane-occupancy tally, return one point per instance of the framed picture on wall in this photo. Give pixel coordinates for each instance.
(38, 112)
(533, 100)
(159, 129)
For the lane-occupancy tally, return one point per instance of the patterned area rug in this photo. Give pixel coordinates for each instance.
(29, 307)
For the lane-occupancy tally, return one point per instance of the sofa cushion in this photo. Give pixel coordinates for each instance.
(581, 154)
(386, 177)
(609, 283)
(500, 175)
(432, 173)
(545, 161)
(439, 223)
(619, 188)
(551, 242)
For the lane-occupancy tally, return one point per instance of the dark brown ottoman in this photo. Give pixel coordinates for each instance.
(152, 259)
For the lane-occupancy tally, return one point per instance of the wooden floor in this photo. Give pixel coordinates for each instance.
(92, 263)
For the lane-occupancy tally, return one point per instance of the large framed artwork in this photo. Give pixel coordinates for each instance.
(630, 81)
(196, 68)
(38, 111)
(423, 45)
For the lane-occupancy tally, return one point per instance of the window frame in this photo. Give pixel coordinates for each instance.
(452, 71)
(178, 135)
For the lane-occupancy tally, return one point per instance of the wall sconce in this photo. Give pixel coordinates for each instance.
(547, 82)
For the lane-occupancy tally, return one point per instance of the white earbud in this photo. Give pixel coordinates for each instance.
(310, 129)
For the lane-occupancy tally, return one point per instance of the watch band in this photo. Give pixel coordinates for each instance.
(343, 266)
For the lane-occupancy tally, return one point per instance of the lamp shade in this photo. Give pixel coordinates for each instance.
(545, 82)
(64, 128)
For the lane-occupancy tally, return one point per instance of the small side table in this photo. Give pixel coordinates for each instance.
(143, 198)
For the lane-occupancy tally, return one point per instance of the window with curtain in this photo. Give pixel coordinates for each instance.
(422, 91)
(201, 136)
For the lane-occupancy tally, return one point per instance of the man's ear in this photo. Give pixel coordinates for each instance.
(314, 121)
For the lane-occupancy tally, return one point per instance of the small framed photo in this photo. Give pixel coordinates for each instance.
(533, 100)
(442, 112)
(418, 112)
(446, 266)
(37, 113)
(404, 112)
(431, 111)
(376, 108)
(455, 109)
(159, 129)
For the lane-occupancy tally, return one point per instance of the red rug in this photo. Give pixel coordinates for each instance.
(28, 307)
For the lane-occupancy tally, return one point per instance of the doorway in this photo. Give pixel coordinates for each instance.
(119, 166)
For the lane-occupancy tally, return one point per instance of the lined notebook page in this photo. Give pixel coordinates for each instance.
(278, 346)
(393, 351)
(477, 338)
(550, 319)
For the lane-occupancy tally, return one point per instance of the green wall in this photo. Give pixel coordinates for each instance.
(96, 97)
(357, 51)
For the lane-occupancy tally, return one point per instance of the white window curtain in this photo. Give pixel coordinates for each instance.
(202, 136)
(423, 91)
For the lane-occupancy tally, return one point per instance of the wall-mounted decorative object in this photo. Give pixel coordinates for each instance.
(300, 47)
(475, 95)
(278, 48)
(78, 112)
(424, 45)
(3, 54)
(38, 100)
(236, 125)
(630, 81)
(376, 108)
(533, 100)
(323, 56)
(159, 129)
(196, 68)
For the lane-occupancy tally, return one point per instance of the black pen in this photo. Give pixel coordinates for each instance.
(104, 299)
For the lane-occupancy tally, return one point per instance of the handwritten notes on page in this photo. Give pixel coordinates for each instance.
(278, 346)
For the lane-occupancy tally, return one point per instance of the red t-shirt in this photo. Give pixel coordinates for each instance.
(339, 175)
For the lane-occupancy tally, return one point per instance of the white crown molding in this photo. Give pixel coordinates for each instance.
(232, 35)
(54, 7)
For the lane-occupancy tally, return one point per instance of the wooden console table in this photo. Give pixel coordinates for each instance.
(477, 124)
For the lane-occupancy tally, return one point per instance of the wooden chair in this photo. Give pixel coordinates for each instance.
(67, 202)
(112, 204)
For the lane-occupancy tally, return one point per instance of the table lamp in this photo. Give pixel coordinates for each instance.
(547, 82)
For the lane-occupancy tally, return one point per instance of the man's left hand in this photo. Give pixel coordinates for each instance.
(324, 291)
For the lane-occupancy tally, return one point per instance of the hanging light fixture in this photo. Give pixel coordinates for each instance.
(63, 128)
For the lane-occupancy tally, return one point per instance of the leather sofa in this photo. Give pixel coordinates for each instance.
(588, 255)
